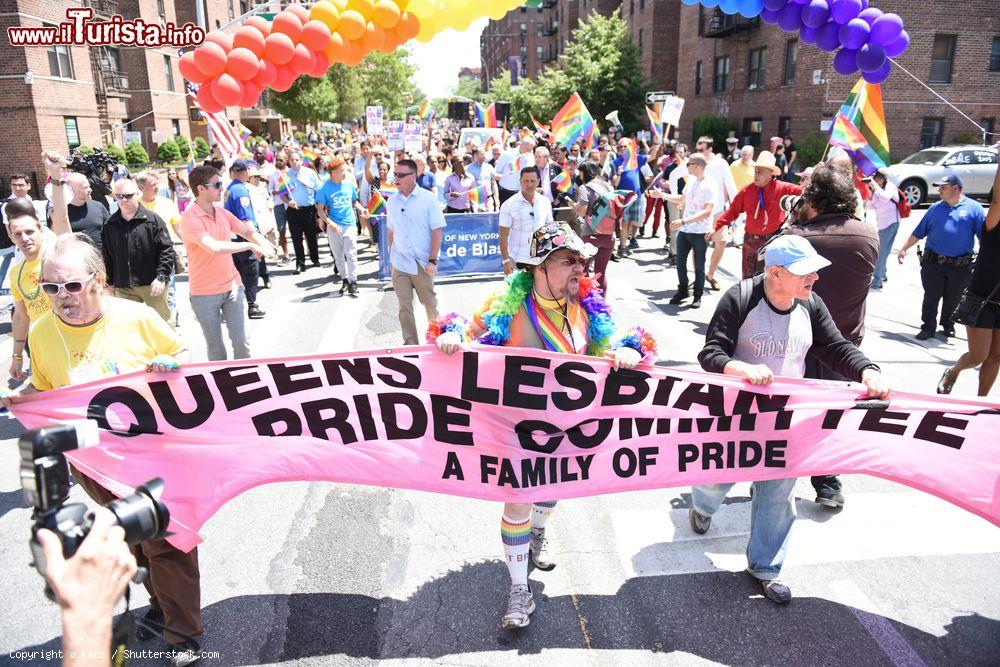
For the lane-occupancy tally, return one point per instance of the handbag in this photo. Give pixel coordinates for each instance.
(970, 307)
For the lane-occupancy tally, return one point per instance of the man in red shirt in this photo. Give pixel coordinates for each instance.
(761, 201)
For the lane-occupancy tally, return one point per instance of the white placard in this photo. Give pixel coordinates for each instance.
(414, 140)
(672, 108)
(133, 136)
(825, 125)
(373, 115)
(394, 135)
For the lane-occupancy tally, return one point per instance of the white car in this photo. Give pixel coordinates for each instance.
(975, 165)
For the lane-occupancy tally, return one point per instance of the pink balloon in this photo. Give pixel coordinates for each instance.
(227, 90)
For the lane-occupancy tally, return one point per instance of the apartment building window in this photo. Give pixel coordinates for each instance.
(540, 54)
(175, 126)
(755, 68)
(753, 128)
(72, 132)
(524, 28)
(244, 7)
(169, 71)
(60, 62)
(160, 9)
(995, 55)
(232, 12)
(641, 51)
(642, 4)
(791, 56)
(942, 58)
(988, 125)
(697, 78)
(785, 126)
(721, 80)
(932, 132)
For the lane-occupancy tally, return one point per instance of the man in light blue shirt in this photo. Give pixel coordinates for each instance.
(302, 219)
(416, 226)
(338, 205)
(485, 174)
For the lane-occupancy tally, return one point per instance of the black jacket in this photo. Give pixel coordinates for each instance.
(137, 250)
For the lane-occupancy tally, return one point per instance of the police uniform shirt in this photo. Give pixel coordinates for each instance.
(951, 230)
(238, 203)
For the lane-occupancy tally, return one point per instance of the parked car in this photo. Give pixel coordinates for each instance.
(478, 136)
(975, 165)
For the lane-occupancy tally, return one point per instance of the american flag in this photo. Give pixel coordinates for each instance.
(229, 140)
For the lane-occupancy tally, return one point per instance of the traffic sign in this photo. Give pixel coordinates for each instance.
(659, 96)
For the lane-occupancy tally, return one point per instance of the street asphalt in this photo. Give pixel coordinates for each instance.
(320, 573)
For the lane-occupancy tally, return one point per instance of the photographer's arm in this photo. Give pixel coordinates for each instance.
(54, 165)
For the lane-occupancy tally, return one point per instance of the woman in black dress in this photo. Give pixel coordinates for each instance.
(982, 324)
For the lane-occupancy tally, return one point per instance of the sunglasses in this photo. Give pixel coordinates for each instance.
(217, 185)
(126, 196)
(399, 174)
(71, 287)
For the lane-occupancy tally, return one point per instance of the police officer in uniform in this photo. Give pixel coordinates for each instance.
(950, 227)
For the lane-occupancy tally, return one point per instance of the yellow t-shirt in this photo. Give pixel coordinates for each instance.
(742, 174)
(167, 210)
(126, 339)
(25, 277)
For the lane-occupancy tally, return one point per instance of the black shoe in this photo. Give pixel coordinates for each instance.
(614, 257)
(831, 498)
(352, 289)
(141, 632)
(315, 263)
(924, 334)
(184, 654)
(255, 313)
(677, 298)
(266, 282)
(948, 333)
(775, 591)
(699, 522)
(696, 303)
(343, 286)
(298, 269)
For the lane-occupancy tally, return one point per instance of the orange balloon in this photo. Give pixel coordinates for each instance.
(402, 4)
(189, 70)
(408, 26)
(260, 23)
(337, 50)
(327, 12)
(299, 10)
(351, 25)
(315, 35)
(266, 72)
(211, 59)
(242, 64)
(206, 101)
(374, 37)
(358, 54)
(279, 48)
(363, 7)
(227, 90)
(321, 66)
(386, 14)
(303, 60)
(223, 39)
(287, 22)
(251, 93)
(248, 37)
(285, 78)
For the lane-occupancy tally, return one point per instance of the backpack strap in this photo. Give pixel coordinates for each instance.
(746, 292)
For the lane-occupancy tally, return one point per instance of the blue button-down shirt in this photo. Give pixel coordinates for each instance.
(951, 230)
(306, 183)
(412, 221)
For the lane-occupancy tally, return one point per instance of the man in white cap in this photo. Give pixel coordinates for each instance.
(763, 327)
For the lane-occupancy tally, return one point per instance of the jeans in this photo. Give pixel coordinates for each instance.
(686, 242)
(772, 515)
(885, 238)
(249, 269)
(211, 310)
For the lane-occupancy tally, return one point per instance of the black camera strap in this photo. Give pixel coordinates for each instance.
(121, 633)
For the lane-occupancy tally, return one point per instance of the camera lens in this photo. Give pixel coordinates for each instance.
(142, 515)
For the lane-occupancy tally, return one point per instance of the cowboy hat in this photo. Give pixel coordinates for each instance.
(766, 160)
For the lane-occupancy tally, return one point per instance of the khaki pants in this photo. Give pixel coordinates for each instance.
(141, 294)
(404, 285)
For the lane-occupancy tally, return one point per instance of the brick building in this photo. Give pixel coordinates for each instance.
(766, 83)
(526, 34)
(653, 26)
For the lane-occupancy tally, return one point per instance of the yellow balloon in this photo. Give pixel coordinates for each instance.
(460, 4)
(427, 29)
(422, 8)
(327, 12)
(341, 5)
(498, 10)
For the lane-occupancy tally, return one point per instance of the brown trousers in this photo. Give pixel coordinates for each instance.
(174, 579)
(405, 285)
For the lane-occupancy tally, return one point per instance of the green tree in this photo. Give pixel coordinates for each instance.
(168, 151)
(386, 79)
(201, 149)
(711, 125)
(468, 87)
(810, 148)
(309, 100)
(116, 151)
(135, 153)
(183, 146)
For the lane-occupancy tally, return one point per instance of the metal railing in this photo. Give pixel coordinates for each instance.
(716, 23)
(102, 8)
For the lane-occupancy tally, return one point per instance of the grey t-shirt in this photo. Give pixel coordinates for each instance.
(778, 339)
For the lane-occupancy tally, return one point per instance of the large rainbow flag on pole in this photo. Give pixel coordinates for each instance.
(491, 115)
(860, 129)
(572, 122)
(426, 112)
(480, 115)
(538, 126)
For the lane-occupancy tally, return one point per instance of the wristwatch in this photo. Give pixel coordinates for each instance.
(60, 182)
(507, 259)
(162, 278)
(433, 261)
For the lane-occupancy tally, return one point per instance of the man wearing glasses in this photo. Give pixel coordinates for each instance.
(137, 250)
(217, 293)
(415, 226)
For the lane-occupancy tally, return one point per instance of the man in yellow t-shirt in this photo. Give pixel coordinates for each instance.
(743, 169)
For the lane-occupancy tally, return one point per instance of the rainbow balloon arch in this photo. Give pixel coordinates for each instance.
(233, 69)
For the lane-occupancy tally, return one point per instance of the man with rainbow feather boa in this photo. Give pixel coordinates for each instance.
(549, 304)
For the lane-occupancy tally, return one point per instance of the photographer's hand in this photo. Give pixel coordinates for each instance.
(89, 585)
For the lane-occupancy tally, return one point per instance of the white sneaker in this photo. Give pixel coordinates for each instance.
(520, 605)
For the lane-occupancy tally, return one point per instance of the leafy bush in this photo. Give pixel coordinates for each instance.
(201, 149)
(183, 146)
(168, 151)
(115, 150)
(135, 153)
(84, 150)
(810, 149)
(711, 125)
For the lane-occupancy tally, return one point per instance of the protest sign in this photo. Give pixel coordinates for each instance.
(414, 139)
(470, 244)
(373, 117)
(394, 135)
(673, 106)
(505, 424)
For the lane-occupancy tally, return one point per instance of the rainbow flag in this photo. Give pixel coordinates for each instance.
(480, 115)
(572, 121)
(376, 204)
(591, 136)
(244, 132)
(631, 158)
(539, 127)
(388, 189)
(426, 112)
(860, 128)
(491, 115)
(489, 144)
(478, 195)
(191, 163)
(655, 126)
(285, 187)
(562, 181)
(504, 134)
(523, 161)
(525, 133)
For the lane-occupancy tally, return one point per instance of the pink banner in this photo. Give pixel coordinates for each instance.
(506, 424)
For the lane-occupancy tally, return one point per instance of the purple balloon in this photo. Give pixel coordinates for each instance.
(828, 37)
(790, 18)
(770, 16)
(871, 57)
(897, 47)
(854, 33)
(816, 13)
(808, 35)
(845, 62)
(886, 29)
(801, 2)
(879, 75)
(775, 5)
(870, 15)
(843, 11)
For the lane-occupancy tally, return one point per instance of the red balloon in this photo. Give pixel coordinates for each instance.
(249, 37)
(301, 12)
(303, 61)
(315, 35)
(284, 80)
(210, 59)
(223, 39)
(206, 101)
(266, 71)
(260, 23)
(279, 48)
(189, 70)
(242, 64)
(321, 66)
(288, 23)
(251, 93)
(227, 90)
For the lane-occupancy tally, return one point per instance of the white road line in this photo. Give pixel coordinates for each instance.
(876, 624)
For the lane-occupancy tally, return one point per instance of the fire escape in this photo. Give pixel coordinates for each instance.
(105, 66)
